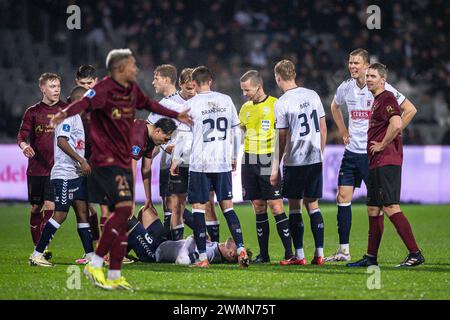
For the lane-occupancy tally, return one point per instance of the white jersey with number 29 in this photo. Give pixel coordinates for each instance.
(215, 120)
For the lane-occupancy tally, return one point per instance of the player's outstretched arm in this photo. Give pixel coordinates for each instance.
(71, 110)
(409, 111)
(339, 120)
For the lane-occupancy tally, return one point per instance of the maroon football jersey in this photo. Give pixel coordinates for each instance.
(35, 129)
(112, 117)
(384, 107)
(141, 144)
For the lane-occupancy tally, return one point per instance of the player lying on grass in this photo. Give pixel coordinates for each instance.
(146, 239)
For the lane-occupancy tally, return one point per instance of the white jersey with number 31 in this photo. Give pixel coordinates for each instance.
(299, 110)
(214, 116)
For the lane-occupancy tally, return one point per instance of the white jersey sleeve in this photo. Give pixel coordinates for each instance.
(64, 166)
(281, 120)
(400, 97)
(341, 92)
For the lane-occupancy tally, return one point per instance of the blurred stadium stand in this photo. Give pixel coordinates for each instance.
(231, 37)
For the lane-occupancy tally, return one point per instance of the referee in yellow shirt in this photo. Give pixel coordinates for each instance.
(257, 118)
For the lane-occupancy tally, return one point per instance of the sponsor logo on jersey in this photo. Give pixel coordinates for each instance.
(369, 103)
(135, 150)
(360, 114)
(66, 127)
(390, 109)
(89, 94)
(80, 145)
(39, 128)
(116, 113)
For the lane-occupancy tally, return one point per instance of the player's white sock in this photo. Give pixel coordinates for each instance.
(319, 252)
(344, 248)
(202, 256)
(96, 261)
(36, 254)
(300, 254)
(89, 255)
(113, 274)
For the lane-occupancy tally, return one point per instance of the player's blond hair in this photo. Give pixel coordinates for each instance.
(185, 76)
(363, 53)
(285, 69)
(115, 56)
(47, 76)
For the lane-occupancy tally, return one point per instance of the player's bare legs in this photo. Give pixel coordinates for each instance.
(148, 217)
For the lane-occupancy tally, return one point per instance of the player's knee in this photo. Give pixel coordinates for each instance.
(343, 197)
(49, 205)
(276, 206)
(373, 211)
(311, 203)
(259, 206)
(391, 209)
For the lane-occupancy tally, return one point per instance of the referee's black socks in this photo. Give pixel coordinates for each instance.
(262, 230)
(282, 223)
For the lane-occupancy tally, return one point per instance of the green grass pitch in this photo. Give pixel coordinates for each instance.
(166, 281)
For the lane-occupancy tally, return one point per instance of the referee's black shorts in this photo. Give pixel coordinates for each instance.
(384, 185)
(255, 176)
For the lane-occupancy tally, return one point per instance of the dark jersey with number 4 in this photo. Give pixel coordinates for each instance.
(112, 118)
(142, 144)
(35, 129)
(384, 107)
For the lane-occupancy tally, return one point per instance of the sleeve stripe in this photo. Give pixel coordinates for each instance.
(282, 128)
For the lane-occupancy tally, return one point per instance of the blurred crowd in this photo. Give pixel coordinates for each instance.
(231, 37)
